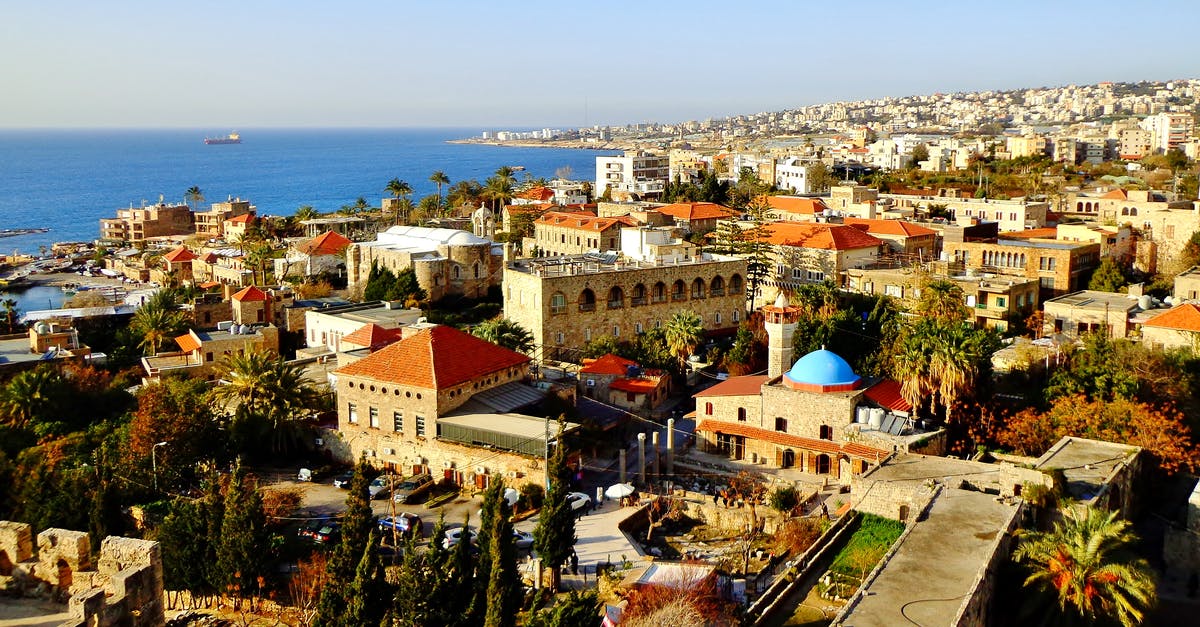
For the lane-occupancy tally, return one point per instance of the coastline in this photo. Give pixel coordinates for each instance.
(551, 143)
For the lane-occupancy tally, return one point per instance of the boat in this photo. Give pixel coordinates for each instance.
(232, 138)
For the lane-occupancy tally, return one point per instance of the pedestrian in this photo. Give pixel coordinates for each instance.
(574, 563)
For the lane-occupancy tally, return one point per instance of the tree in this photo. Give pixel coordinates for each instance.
(189, 536)
(554, 536)
(358, 521)
(306, 212)
(10, 313)
(157, 322)
(506, 333)
(439, 178)
(1087, 566)
(1108, 276)
(399, 189)
(920, 153)
(267, 393)
(504, 582)
(576, 609)
(177, 412)
(194, 196)
(367, 593)
(243, 544)
(31, 397)
(684, 331)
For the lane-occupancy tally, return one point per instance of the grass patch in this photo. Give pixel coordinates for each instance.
(875, 535)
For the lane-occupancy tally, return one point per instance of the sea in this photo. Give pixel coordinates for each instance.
(67, 180)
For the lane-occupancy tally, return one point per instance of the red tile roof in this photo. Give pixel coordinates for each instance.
(327, 243)
(583, 221)
(207, 285)
(540, 192)
(891, 227)
(373, 336)
(1185, 317)
(608, 364)
(1049, 232)
(1116, 194)
(209, 257)
(187, 343)
(637, 386)
(786, 439)
(180, 254)
(796, 204)
(244, 218)
(820, 236)
(887, 394)
(250, 294)
(696, 211)
(736, 386)
(435, 358)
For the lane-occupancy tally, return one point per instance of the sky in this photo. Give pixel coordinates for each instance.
(355, 63)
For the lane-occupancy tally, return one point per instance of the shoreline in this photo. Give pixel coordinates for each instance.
(573, 144)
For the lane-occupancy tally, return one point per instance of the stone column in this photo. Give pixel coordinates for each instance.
(654, 445)
(623, 465)
(642, 458)
(671, 447)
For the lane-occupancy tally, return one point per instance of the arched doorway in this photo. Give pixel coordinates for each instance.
(788, 460)
(822, 464)
(6, 565)
(64, 576)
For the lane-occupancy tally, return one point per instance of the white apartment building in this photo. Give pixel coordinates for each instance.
(792, 173)
(1168, 130)
(633, 173)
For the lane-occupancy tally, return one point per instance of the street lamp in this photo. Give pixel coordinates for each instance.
(154, 462)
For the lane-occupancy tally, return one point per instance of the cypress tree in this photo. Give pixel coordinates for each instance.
(367, 593)
(243, 540)
(357, 523)
(554, 537)
(504, 582)
(483, 543)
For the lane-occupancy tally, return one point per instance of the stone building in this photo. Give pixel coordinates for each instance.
(325, 327)
(1059, 267)
(211, 224)
(623, 382)
(310, 257)
(446, 261)
(575, 233)
(696, 217)
(566, 302)
(1187, 285)
(123, 587)
(993, 300)
(806, 252)
(1178, 327)
(1089, 311)
(418, 405)
(176, 267)
(901, 237)
(1011, 215)
(200, 351)
(135, 226)
(795, 208)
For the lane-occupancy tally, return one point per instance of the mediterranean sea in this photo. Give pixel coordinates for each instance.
(67, 180)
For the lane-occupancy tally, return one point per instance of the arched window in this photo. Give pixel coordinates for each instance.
(660, 292)
(587, 300)
(616, 298)
(717, 287)
(1124, 211)
(1133, 211)
(678, 290)
(698, 288)
(456, 272)
(826, 432)
(639, 295)
(708, 407)
(476, 269)
(1079, 206)
(735, 284)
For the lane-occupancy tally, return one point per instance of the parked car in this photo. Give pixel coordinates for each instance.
(329, 532)
(578, 501)
(406, 523)
(454, 536)
(523, 540)
(408, 490)
(343, 480)
(381, 486)
(309, 529)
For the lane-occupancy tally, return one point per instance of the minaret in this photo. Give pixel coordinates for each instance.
(779, 320)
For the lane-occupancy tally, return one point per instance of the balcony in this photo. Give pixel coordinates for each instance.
(587, 306)
(558, 309)
(720, 291)
(616, 304)
(679, 296)
(637, 301)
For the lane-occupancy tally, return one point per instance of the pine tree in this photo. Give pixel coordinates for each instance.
(554, 537)
(504, 582)
(367, 593)
(243, 540)
(357, 523)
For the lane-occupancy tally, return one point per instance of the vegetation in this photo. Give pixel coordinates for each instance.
(554, 537)
(683, 332)
(874, 536)
(506, 333)
(270, 400)
(383, 284)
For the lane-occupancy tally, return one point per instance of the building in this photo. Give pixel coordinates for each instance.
(806, 252)
(1168, 131)
(795, 208)
(1187, 285)
(325, 327)
(567, 301)
(310, 257)
(901, 237)
(791, 173)
(211, 224)
(1134, 143)
(1166, 225)
(576, 233)
(417, 406)
(176, 267)
(1089, 311)
(136, 226)
(1059, 267)
(347, 226)
(234, 228)
(696, 217)
(623, 382)
(632, 176)
(855, 200)
(201, 351)
(1012, 215)
(994, 301)
(1178, 327)
(446, 261)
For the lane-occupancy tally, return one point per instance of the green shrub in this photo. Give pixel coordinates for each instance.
(784, 499)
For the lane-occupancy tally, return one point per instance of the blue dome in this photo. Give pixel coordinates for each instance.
(824, 368)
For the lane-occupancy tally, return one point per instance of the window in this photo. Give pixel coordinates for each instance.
(559, 338)
(678, 290)
(735, 283)
(1000, 301)
(816, 276)
(718, 317)
(616, 330)
(894, 290)
(797, 273)
(639, 295)
(373, 417)
(587, 300)
(660, 292)
(781, 424)
(420, 426)
(352, 413)
(457, 273)
(398, 422)
(708, 409)
(616, 298)
(826, 432)
(558, 303)
(587, 334)
(208, 356)
(638, 327)
(741, 414)
(1047, 282)
(1047, 264)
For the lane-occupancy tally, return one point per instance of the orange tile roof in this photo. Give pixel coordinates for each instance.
(187, 343)
(540, 192)
(250, 294)
(209, 257)
(244, 218)
(373, 336)
(887, 394)
(1049, 232)
(180, 254)
(637, 386)
(696, 211)
(435, 359)
(1185, 317)
(820, 236)
(1116, 194)
(583, 221)
(786, 439)
(891, 227)
(736, 386)
(327, 243)
(796, 204)
(608, 364)
(209, 285)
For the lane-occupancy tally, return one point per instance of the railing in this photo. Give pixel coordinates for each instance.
(696, 295)
(679, 296)
(637, 300)
(717, 291)
(616, 304)
(557, 309)
(587, 306)
(661, 298)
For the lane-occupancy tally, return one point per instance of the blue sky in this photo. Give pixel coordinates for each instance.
(261, 63)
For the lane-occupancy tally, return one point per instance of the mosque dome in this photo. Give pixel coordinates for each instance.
(822, 371)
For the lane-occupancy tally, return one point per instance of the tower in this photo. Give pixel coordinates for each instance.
(484, 222)
(779, 320)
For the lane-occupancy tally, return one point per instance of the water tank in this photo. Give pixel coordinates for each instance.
(861, 414)
(876, 418)
(1145, 302)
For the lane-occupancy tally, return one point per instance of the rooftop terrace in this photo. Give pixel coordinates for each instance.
(594, 263)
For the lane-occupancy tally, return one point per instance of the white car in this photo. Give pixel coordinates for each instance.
(578, 500)
(522, 539)
(454, 536)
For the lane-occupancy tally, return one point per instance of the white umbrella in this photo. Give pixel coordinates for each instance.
(512, 496)
(619, 491)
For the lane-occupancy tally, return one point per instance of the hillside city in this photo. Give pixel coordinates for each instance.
(926, 359)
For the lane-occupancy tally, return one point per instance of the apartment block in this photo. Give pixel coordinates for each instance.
(136, 225)
(1059, 267)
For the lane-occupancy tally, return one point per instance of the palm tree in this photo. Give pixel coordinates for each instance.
(306, 212)
(28, 396)
(683, 333)
(439, 178)
(262, 385)
(10, 313)
(943, 300)
(157, 321)
(911, 367)
(499, 189)
(194, 196)
(506, 333)
(399, 189)
(1087, 565)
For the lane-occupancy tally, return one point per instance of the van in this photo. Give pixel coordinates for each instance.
(408, 490)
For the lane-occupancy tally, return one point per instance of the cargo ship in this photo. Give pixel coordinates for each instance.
(232, 138)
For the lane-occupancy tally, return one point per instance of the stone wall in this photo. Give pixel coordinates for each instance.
(976, 609)
(125, 588)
